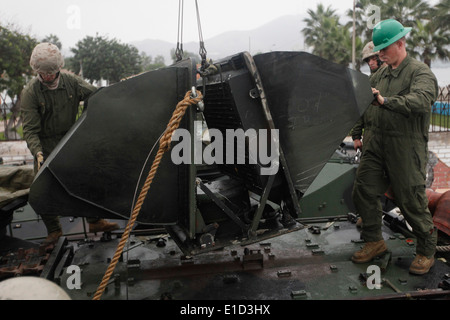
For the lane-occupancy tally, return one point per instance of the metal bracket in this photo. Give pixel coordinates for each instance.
(221, 205)
(55, 257)
(262, 204)
(200, 105)
(251, 66)
(252, 260)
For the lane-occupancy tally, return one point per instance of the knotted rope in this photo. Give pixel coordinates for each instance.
(164, 146)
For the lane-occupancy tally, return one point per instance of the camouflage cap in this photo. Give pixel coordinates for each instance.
(367, 52)
(46, 58)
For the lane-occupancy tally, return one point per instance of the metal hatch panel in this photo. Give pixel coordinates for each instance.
(99, 167)
(314, 104)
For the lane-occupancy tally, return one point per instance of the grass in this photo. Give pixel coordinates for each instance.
(440, 120)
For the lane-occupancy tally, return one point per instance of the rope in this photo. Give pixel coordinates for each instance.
(443, 248)
(164, 146)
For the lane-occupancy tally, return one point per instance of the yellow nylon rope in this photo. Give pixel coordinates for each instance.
(164, 145)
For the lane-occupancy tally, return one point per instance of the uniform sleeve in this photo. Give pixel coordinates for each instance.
(31, 121)
(85, 89)
(357, 129)
(421, 96)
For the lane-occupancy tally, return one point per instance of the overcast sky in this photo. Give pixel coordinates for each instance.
(134, 20)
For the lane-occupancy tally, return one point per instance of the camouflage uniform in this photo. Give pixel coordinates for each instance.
(48, 114)
(396, 152)
(365, 122)
(357, 130)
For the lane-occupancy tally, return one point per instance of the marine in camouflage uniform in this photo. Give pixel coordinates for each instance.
(364, 124)
(396, 151)
(375, 64)
(49, 107)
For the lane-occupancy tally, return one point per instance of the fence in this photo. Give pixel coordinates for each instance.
(11, 124)
(440, 116)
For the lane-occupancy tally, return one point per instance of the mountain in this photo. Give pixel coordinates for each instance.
(155, 48)
(281, 34)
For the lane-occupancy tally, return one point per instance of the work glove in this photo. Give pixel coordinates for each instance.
(40, 159)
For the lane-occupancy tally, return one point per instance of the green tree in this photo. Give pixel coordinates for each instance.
(428, 42)
(15, 67)
(122, 61)
(329, 39)
(147, 63)
(51, 38)
(98, 57)
(88, 57)
(441, 14)
(363, 16)
(15, 70)
(429, 37)
(315, 32)
(407, 12)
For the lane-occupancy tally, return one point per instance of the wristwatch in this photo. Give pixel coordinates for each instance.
(385, 100)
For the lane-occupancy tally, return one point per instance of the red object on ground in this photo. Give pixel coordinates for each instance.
(439, 205)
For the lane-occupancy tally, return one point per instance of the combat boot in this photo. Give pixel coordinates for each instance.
(102, 226)
(359, 223)
(421, 264)
(52, 238)
(369, 251)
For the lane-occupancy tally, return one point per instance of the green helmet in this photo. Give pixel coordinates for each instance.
(387, 32)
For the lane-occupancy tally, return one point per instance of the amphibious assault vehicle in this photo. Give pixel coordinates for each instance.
(251, 201)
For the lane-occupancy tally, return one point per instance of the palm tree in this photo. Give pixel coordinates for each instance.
(428, 42)
(407, 12)
(430, 26)
(315, 31)
(363, 30)
(362, 17)
(326, 35)
(441, 14)
(430, 34)
(52, 38)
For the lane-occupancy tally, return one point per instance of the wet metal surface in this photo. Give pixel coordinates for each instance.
(304, 264)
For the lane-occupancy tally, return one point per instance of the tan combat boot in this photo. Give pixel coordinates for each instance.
(52, 238)
(421, 264)
(102, 226)
(369, 251)
(359, 223)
